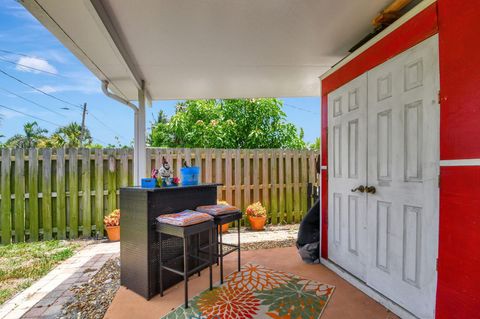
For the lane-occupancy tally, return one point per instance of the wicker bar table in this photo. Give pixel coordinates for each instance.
(139, 244)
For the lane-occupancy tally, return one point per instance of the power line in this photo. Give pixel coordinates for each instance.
(106, 126)
(43, 120)
(29, 115)
(15, 53)
(300, 109)
(38, 90)
(30, 101)
(50, 95)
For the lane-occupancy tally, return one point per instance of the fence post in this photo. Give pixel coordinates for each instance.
(6, 201)
(33, 193)
(61, 199)
(296, 188)
(47, 194)
(304, 181)
(98, 213)
(19, 208)
(273, 189)
(281, 183)
(218, 172)
(288, 186)
(86, 195)
(228, 176)
(112, 180)
(238, 179)
(256, 176)
(73, 190)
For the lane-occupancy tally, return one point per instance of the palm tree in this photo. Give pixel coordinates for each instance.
(70, 136)
(33, 134)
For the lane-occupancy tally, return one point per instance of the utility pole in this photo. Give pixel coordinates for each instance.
(84, 113)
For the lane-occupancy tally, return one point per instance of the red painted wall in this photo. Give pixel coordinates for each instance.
(459, 40)
(458, 25)
(458, 290)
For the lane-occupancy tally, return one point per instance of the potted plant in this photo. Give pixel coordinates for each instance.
(112, 225)
(257, 216)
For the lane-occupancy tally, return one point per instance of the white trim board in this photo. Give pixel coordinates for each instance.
(461, 162)
(398, 23)
(360, 285)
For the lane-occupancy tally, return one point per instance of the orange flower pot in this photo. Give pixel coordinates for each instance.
(113, 233)
(257, 223)
(224, 228)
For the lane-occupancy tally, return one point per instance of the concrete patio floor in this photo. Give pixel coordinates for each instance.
(346, 302)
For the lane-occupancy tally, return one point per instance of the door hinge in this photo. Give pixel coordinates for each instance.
(439, 97)
(436, 265)
(439, 180)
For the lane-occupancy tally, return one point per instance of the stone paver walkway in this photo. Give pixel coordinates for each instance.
(46, 297)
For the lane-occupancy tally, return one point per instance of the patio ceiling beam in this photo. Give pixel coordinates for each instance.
(104, 21)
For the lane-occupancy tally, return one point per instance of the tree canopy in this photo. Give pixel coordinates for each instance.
(35, 136)
(230, 123)
(32, 135)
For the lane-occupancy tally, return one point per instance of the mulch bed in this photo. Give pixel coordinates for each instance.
(93, 298)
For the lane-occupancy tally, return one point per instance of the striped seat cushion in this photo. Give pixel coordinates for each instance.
(219, 209)
(184, 218)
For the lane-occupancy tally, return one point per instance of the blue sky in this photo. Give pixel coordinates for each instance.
(24, 41)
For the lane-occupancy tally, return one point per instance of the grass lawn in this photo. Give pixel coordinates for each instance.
(23, 263)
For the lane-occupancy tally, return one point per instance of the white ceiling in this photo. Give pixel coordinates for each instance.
(186, 49)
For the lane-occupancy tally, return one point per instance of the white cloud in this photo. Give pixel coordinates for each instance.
(35, 65)
(49, 89)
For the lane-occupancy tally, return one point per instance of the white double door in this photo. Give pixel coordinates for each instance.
(383, 167)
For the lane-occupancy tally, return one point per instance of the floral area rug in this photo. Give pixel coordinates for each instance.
(258, 292)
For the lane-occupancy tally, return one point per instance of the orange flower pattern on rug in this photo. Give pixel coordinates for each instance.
(230, 302)
(257, 277)
(257, 292)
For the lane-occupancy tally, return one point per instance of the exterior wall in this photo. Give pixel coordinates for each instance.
(459, 251)
(459, 243)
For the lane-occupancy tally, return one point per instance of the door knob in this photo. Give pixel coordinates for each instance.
(360, 188)
(371, 189)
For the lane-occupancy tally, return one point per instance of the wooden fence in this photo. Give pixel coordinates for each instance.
(65, 193)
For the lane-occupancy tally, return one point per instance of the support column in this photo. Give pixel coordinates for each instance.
(139, 153)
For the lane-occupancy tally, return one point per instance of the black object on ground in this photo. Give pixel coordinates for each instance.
(308, 241)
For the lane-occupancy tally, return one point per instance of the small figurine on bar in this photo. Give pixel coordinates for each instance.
(164, 175)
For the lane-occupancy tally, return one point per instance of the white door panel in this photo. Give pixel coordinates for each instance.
(403, 159)
(347, 170)
(384, 132)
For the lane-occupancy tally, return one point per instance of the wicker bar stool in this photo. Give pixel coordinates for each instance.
(191, 264)
(220, 220)
(223, 214)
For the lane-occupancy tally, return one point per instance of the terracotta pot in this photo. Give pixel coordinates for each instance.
(113, 233)
(224, 228)
(257, 223)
